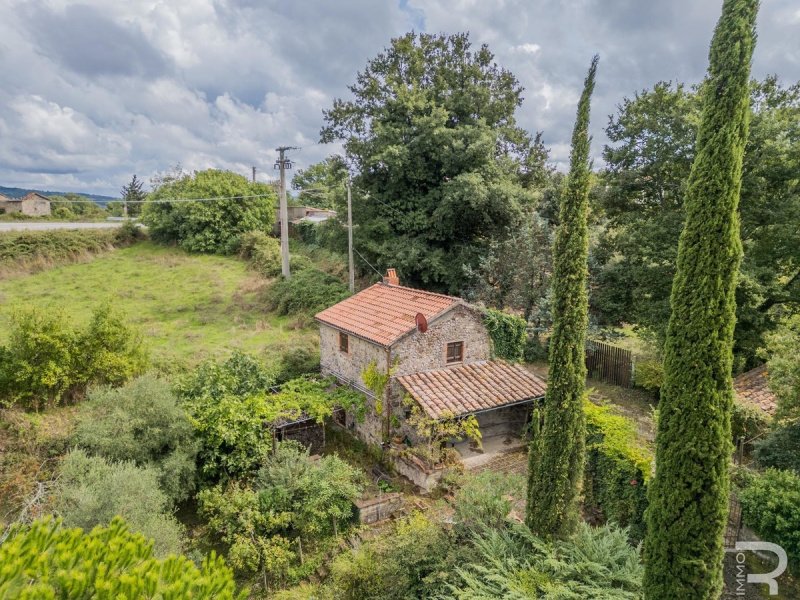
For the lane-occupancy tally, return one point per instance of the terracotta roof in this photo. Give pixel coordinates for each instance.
(383, 313)
(473, 387)
(753, 388)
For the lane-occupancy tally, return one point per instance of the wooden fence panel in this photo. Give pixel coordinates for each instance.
(609, 364)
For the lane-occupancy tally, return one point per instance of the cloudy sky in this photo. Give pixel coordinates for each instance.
(92, 92)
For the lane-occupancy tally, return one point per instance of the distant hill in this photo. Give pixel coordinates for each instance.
(13, 192)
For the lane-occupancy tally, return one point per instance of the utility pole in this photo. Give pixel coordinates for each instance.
(350, 238)
(254, 173)
(284, 163)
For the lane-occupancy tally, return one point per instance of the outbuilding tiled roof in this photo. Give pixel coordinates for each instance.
(753, 388)
(472, 388)
(383, 313)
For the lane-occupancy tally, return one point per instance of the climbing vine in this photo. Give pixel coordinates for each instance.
(507, 333)
(433, 433)
(376, 381)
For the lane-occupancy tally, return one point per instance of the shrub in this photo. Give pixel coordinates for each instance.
(210, 226)
(617, 470)
(535, 349)
(36, 250)
(484, 501)
(47, 361)
(780, 448)
(747, 421)
(46, 560)
(771, 506)
(405, 562)
(298, 262)
(306, 292)
(512, 563)
(91, 491)
(240, 374)
(262, 251)
(296, 363)
(141, 422)
(649, 375)
(295, 501)
(507, 333)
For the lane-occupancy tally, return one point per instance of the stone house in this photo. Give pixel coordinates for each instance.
(438, 353)
(32, 204)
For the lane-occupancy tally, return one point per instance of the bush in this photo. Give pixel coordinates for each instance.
(262, 251)
(405, 562)
(240, 374)
(36, 250)
(747, 421)
(535, 349)
(617, 469)
(484, 501)
(296, 363)
(47, 361)
(306, 292)
(296, 503)
(780, 448)
(91, 491)
(141, 422)
(46, 560)
(209, 226)
(649, 375)
(771, 506)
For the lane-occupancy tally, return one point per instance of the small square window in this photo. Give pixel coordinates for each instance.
(344, 342)
(455, 352)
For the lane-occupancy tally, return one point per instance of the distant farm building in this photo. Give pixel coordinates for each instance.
(302, 214)
(32, 205)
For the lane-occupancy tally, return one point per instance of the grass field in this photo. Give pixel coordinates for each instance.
(189, 307)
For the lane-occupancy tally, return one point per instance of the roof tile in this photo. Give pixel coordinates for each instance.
(752, 388)
(383, 313)
(471, 388)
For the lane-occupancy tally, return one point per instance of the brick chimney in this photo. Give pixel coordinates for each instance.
(391, 277)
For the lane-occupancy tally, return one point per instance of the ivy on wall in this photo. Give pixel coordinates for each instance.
(507, 333)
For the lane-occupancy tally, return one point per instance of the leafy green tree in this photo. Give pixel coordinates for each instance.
(141, 422)
(648, 164)
(46, 560)
(90, 491)
(442, 166)
(213, 226)
(688, 496)
(322, 185)
(133, 195)
(556, 473)
(784, 368)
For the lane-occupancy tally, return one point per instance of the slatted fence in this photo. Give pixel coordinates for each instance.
(609, 364)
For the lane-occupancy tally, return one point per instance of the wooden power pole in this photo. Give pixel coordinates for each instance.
(350, 238)
(282, 164)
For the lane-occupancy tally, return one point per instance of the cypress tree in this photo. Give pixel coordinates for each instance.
(688, 506)
(555, 468)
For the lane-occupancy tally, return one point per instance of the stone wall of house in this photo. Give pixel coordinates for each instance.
(425, 351)
(35, 206)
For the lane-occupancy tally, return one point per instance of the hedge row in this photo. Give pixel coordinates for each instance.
(617, 470)
(26, 250)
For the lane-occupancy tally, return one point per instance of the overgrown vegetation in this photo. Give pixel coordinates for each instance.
(31, 251)
(508, 333)
(618, 469)
(262, 251)
(305, 293)
(143, 423)
(207, 226)
(47, 361)
(47, 560)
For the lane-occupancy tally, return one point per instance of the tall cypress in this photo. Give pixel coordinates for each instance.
(555, 470)
(689, 495)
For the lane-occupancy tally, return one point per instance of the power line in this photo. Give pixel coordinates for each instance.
(366, 261)
(166, 200)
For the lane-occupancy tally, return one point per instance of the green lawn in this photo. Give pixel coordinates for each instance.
(189, 307)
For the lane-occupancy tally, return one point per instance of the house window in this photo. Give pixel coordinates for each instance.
(344, 342)
(455, 352)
